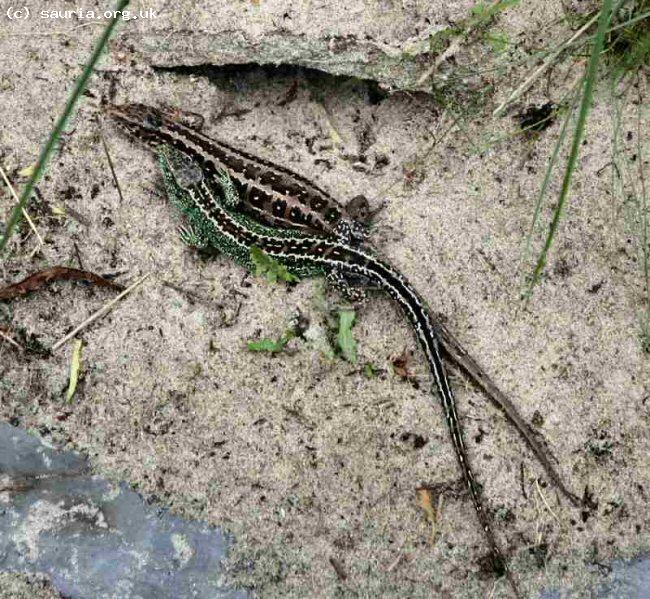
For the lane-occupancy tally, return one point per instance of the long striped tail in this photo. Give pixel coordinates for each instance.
(418, 314)
(431, 347)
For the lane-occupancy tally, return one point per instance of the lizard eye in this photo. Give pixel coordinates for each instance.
(152, 121)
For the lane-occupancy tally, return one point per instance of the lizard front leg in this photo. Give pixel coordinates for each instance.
(351, 232)
(230, 195)
(352, 287)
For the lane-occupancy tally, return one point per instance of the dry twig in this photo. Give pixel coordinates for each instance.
(101, 312)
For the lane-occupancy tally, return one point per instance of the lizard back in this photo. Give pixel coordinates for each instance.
(271, 193)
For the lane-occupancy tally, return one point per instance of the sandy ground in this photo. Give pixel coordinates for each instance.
(304, 458)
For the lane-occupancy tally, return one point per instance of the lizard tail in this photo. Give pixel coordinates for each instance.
(419, 316)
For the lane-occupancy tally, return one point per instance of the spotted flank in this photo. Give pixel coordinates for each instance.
(272, 194)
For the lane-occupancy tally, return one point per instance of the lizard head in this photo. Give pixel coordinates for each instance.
(139, 121)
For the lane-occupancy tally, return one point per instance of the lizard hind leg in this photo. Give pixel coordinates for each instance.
(351, 232)
(192, 237)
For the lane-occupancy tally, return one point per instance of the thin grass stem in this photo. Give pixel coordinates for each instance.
(547, 179)
(60, 125)
(587, 97)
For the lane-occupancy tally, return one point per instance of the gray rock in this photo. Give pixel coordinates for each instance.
(94, 539)
(387, 42)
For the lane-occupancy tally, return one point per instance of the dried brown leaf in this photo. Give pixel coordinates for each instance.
(424, 499)
(36, 281)
(401, 364)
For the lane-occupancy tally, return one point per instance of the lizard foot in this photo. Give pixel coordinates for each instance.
(349, 286)
(231, 198)
(192, 238)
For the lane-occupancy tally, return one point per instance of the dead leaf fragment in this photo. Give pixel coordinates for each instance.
(401, 365)
(37, 280)
(424, 498)
(338, 568)
(75, 367)
(5, 336)
(28, 171)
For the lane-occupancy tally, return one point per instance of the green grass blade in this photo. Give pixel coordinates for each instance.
(547, 179)
(587, 97)
(59, 127)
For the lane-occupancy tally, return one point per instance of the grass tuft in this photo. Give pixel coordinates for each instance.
(587, 84)
(59, 127)
(627, 44)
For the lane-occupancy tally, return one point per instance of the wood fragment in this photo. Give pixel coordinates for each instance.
(11, 341)
(8, 484)
(394, 563)
(37, 280)
(78, 256)
(112, 169)
(339, 569)
(75, 367)
(101, 312)
(424, 497)
(400, 364)
(548, 507)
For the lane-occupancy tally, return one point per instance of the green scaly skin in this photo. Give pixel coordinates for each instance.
(203, 233)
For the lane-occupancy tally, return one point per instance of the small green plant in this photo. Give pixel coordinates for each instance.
(498, 41)
(483, 12)
(270, 268)
(627, 44)
(270, 345)
(345, 339)
(600, 446)
(369, 370)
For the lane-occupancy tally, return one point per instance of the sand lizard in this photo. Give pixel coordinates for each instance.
(313, 244)
(276, 196)
(271, 193)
